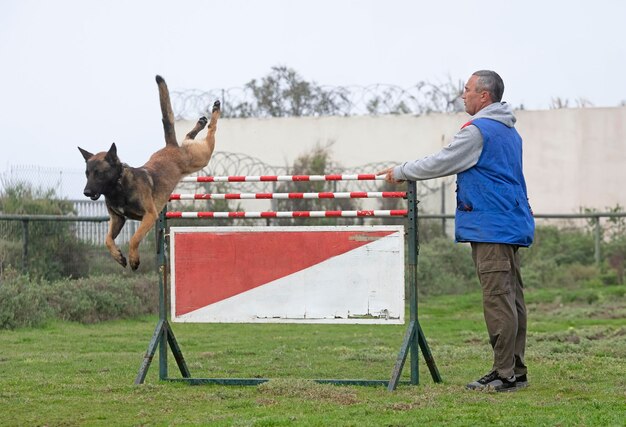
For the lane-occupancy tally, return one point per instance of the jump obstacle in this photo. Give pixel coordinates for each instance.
(414, 338)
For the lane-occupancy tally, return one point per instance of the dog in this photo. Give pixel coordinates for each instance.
(141, 193)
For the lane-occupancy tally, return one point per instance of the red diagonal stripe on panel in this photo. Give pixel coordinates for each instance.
(211, 267)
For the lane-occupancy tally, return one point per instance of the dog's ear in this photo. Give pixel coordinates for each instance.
(112, 154)
(86, 154)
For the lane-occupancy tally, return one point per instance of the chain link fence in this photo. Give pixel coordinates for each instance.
(53, 247)
(57, 247)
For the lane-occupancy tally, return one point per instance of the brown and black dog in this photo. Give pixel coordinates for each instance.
(141, 193)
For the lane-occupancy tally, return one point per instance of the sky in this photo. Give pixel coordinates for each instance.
(81, 72)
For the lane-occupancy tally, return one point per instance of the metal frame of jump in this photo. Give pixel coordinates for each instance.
(414, 338)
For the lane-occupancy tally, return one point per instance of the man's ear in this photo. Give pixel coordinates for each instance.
(86, 154)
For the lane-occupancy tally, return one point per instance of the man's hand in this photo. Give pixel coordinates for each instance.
(389, 176)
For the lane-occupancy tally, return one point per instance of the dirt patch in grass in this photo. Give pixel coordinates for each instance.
(598, 341)
(263, 401)
(571, 336)
(606, 334)
(308, 390)
(208, 354)
(581, 310)
(423, 402)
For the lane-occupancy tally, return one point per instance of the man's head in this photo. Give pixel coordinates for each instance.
(484, 87)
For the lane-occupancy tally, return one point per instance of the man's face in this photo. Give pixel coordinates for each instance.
(474, 101)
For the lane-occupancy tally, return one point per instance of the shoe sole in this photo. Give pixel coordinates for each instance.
(507, 390)
(488, 389)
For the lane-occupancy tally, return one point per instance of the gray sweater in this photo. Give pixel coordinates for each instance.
(461, 154)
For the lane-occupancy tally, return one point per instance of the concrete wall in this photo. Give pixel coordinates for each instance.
(573, 158)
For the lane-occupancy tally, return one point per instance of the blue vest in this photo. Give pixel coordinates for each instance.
(492, 202)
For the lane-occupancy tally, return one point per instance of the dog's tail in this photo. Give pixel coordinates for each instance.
(166, 110)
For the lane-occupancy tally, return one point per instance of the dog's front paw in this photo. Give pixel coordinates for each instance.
(134, 263)
(216, 106)
(203, 121)
(121, 260)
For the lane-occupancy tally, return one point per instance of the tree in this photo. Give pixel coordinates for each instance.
(560, 103)
(316, 162)
(283, 93)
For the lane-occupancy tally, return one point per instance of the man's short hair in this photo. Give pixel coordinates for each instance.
(491, 82)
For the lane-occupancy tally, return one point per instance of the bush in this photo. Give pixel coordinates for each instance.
(445, 267)
(316, 162)
(615, 254)
(21, 303)
(10, 254)
(101, 263)
(24, 302)
(562, 246)
(54, 251)
(558, 259)
(101, 298)
(565, 259)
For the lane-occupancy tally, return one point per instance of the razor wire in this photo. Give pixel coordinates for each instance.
(377, 99)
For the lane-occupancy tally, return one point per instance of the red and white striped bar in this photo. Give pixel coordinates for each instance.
(275, 178)
(323, 195)
(290, 214)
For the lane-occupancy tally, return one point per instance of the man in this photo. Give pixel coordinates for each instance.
(492, 214)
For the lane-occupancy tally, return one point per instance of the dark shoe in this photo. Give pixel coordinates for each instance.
(493, 381)
(521, 380)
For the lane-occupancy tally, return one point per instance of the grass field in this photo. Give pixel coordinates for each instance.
(72, 374)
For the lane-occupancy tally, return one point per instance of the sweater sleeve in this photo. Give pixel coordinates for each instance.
(461, 154)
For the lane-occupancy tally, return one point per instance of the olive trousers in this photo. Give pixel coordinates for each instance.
(498, 269)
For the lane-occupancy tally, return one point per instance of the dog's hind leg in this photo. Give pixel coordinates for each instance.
(146, 224)
(202, 121)
(167, 112)
(210, 136)
(115, 226)
(215, 115)
(200, 152)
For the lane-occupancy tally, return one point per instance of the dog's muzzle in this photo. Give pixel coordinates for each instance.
(91, 195)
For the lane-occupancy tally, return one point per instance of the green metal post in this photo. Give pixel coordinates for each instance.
(413, 249)
(149, 355)
(160, 230)
(414, 338)
(163, 334)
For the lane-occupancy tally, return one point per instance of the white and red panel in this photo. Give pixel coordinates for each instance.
(340, 274)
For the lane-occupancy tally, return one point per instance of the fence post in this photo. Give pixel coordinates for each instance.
(443, 209)
(597, 240)
(25, 246)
